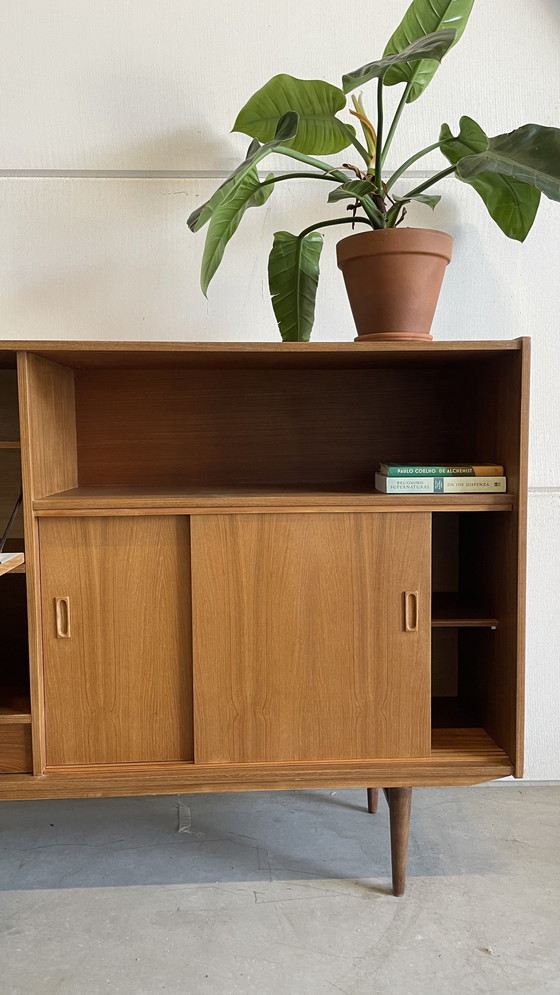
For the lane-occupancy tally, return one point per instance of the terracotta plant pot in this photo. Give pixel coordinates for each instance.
(393, 278)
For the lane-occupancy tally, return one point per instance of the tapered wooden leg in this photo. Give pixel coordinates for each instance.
(400, 802)
(372, 799)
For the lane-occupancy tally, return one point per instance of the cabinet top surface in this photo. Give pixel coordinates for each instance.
(270, 354)
(63, 345)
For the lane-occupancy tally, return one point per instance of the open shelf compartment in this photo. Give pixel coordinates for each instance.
(247, 428)
(474, 626)
(14, 705)
(15, 710)
(452, 609)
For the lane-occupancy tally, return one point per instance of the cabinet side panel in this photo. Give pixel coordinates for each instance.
(48, 463)
(299, 645)
(51, 437)
(118, 686)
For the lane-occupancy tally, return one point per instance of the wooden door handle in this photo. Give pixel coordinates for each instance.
(411, 611)
(62, 612)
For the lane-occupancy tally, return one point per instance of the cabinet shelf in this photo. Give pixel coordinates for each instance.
(14, 706)
(451, 610)
(10, 445)
(12, 563)
(315, 497)
(460, 755)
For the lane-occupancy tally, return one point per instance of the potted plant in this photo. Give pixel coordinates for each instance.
(393, 274)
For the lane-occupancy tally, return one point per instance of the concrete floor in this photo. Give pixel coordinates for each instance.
(281, 894)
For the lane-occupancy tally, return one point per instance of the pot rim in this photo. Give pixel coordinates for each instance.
(401, 241)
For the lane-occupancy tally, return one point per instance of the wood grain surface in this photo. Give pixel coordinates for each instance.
(15, 748)
(231, 500)
(459, 756)
(299, 644)
(110, 353)
(248, 428)
(119, 689)
(10, 562)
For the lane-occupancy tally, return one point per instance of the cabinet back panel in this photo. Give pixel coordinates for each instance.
(243, 427)
(10, 485)
(14, 654)
(9, 426)
(10, 462)
(445, 552)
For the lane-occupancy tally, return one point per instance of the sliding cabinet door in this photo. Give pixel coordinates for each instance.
(117, 639)
(311, 636)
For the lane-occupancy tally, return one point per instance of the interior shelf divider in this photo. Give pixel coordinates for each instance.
(455, 610)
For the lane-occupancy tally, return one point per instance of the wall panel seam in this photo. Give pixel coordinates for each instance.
(158, 174)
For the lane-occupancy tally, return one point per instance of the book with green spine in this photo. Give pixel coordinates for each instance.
(441, 469)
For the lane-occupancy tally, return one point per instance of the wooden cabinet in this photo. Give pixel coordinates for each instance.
(116, 640)
(311, 637)
(214, 597)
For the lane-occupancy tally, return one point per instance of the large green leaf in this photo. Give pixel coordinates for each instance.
(530, 153)
(512, 203)
(432, 46)
(224, 222)
(421, 18)
(362, 191)
(319, 132)
(293, 275)
(287, 128)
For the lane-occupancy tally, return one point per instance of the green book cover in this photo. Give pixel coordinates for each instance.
(441, 470)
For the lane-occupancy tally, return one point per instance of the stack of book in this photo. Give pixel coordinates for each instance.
(443, 478)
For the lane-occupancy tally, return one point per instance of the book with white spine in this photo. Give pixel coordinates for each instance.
(440, 485)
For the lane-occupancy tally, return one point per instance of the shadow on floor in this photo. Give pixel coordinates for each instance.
(256, 836)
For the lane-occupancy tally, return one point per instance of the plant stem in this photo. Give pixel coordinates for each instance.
(429, 182)
(334, 221)
(379, 146)
(318, 163)
(393, 214)
(357, 144)
(295, 176)
(402, 169)
(395, 121)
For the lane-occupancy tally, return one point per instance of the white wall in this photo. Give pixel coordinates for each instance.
(103, 101)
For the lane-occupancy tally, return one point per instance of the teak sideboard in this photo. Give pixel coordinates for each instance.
(212, 595)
